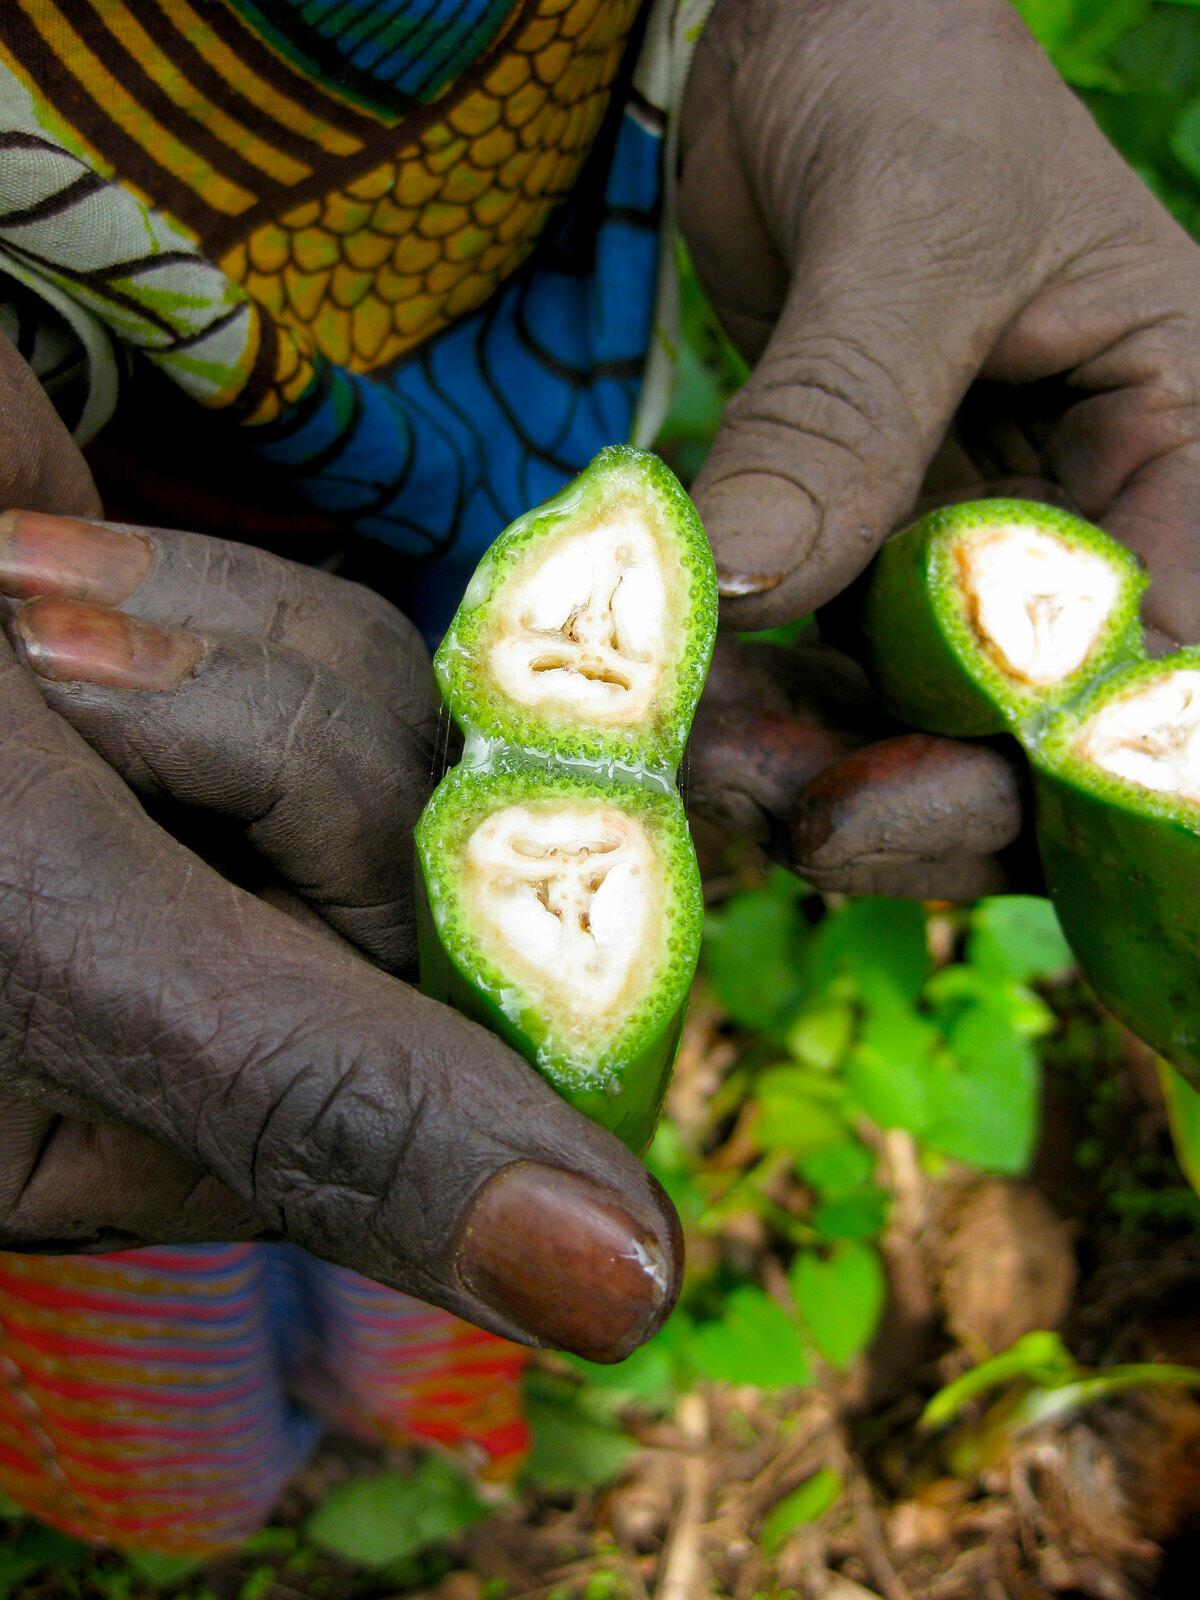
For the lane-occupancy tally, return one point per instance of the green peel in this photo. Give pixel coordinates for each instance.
(608, 1045)
(931, 663)
(1110, 742)
(544, 658)
(1122, 864)
(562, 905)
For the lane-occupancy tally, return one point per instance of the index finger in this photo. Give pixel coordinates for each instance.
(189, 580)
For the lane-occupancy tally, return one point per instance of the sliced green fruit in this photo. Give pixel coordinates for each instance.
(587, 629)
(566, 915)
(1118, 784)
(983, 617)
(562, 898)
(1008, 616)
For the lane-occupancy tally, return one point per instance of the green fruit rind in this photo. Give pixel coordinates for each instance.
(617, 1075)
(619, 476)
(1122, 865)
(928, 662)
(597, 1004)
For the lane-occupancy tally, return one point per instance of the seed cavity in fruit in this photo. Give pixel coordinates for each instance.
(563, 893)
(585, 632)
(1150, 736)
(1038, 604)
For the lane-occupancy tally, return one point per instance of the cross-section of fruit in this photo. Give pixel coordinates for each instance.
(587, 629)
(982, 617)
(1118, 785)
(565, 914)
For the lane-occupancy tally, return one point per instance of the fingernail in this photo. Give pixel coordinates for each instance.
(733, 585)
(41, 555)
(71, 642)
(562, 1258)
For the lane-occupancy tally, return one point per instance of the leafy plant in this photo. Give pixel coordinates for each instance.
(376, 1521)
(1045, 1381)
(808, 1503)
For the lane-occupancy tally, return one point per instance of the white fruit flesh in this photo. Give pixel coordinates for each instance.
(1038, 604)
(585, 631)
(1150, 736)
(564, 895)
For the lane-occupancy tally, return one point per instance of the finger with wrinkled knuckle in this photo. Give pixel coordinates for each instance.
(187, 580)
(326, 785)
(747, 769)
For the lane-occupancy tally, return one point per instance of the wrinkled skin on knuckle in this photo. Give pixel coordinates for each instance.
(873, 119)
(385, 648)
(373, 1158)
(278, 748)
(60, 820)
(748, 768)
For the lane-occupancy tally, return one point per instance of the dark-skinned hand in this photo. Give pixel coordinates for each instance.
(949, 284)
(180, 1060)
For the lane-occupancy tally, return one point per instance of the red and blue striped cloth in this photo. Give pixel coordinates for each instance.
(160, 1399)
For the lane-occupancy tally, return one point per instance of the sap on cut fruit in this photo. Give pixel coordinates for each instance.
(1039, 604)
(564, 892)
(1150, 736)
(586, 629)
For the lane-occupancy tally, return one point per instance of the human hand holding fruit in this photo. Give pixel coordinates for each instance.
(949, 284)
(179, 1060)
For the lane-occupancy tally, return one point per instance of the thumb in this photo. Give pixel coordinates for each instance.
(823, 450)
(869, 184)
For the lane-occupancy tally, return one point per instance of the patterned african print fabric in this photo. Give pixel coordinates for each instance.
(406, 253)
(407, 248)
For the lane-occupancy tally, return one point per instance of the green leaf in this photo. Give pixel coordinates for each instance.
(986, 1107)
(806, 1504)
(837, 1171)
(1080, 35)
(37, 1549)
(162, 1571)
(375, 1521)
(791, 1116)
(754, 1342)
(881, 946)
(571, 1450)
(1183, 1113)
(1159, 68)
(1018, 936)
(754, 950)
(1039, 1358)
(1185, 138)
(821, 1037)
(841, 1297)
(669, 1162)
(962, 988)
(1061, 1400)
(893, 1070)
(852, 1216)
